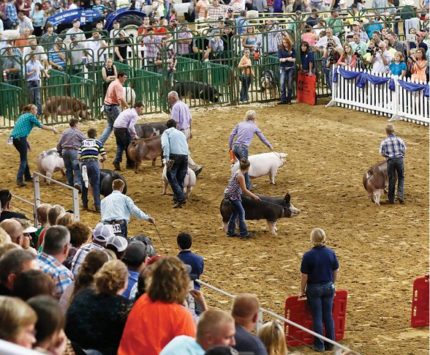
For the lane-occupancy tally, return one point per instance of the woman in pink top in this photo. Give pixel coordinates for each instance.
(309, 36)
(348, 58)
(419, 66)
(202, 9)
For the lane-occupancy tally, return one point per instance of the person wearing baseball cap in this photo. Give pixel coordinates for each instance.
(118, 245)
(393, 148)
(101, 234)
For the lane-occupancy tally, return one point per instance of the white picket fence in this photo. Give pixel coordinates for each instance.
(380, 100)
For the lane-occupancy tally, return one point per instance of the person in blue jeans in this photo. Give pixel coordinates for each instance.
(233, 192)
(23, 126)
(319, 270)
(89, 153)
(244, 132)
(287, 60)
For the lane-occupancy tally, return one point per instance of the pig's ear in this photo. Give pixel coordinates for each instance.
(287, 197)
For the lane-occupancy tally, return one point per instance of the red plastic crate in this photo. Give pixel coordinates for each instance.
(297, 310)
(420, 302)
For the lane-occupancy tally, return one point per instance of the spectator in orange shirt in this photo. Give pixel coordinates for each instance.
(159, 315)
(23, 40)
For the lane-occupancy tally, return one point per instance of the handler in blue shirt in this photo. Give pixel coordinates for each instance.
(319, 269)
(117, 208)
(196, 262)
(20, 132)
(175, 153)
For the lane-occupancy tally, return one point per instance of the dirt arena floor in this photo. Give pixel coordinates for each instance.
(381, 250)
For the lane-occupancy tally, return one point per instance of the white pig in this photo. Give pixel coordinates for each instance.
(130, 95)
(189, 181)
(50, 161)
(264, 164)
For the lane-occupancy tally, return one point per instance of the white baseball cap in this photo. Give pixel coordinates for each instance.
(120, 243)
(102, 232)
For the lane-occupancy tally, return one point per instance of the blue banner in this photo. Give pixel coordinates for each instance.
(415, 87)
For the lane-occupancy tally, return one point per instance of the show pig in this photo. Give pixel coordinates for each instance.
(50, 161)
(189, 181)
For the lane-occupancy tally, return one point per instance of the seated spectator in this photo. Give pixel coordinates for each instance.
(32, 283)
(348, 58)
(373, 26)
(313, 18)
(221, 350)
(57, 55)
(54, 212)
(96, 317)
(159, 313)
(13, 263)
(245, 314)
(65, 220)
(335, 23)
(307, 64)
(42, 217)
(215, 327)
(80, 234)
(273, 337)
(134, 258)
(117, 244)
(419, 66)
(24, 40)
(4, 238)
(55, 250)
(17, 322)
(16, 234)
(196, 262)
(6, 213)
(356, 30)
(398, 66)
(50, 337)
(93, 261)
(101, 234)
(7, 247)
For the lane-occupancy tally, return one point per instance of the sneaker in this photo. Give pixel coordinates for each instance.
(248, 236)
(21, 183)
(179, 204)
(117, 166)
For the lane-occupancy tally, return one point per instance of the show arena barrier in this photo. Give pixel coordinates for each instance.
(381, 94)
(37, 196)
(287, 322)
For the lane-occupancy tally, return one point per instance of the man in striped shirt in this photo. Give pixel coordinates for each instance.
(89, 153)
(393, 149)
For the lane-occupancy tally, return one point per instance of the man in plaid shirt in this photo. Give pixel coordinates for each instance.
(56, 247)
(393, 149)
(166, 56)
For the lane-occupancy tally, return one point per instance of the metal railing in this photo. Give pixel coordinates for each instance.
(278, 317)
(37, 194)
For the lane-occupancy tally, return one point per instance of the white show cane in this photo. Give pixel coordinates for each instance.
(85, 175)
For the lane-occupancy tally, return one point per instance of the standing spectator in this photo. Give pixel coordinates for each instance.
(17, 322)
(121, 43)
(335, 23)
(419, 66)
(117, 208)
(373, 26)
(201, 9)
(379, 6)
(233, 192)
(180, 113)
(159, 314)
(250, 40)
(244, 132)
(78, 55)
(38, 17)
(381, 59)
(124, 131)
(74, 31)
(57, 55)
(241, 22)
(89, 153)
(48, 39)
(12, 264)
(165, 60)
(356, 29)
(55, 250)
(215, 328)
(116, 28)
(23, 126)
(114, 98)
(313, 18)
(393, 148)
(24, 23)
(96, 317)
(11, 63)
(68, 147)
(260, 5)
(11, 13)
(215, 12)
(96, 47)
(34, 48)
(245, 313)
(398, 66)
(319, 270)
(185, 39)
(196, 262)
(287, 60)
(175, 154)
(109, 74)
(331, 55)
(309, 36)
(151, 43)
(50, 337)
(101, 234)
(5, 202)
(134, 258)
(245, 67)
(273, 337)
(33, 70)
(348, 58)
(215, 49)
(306, 59)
